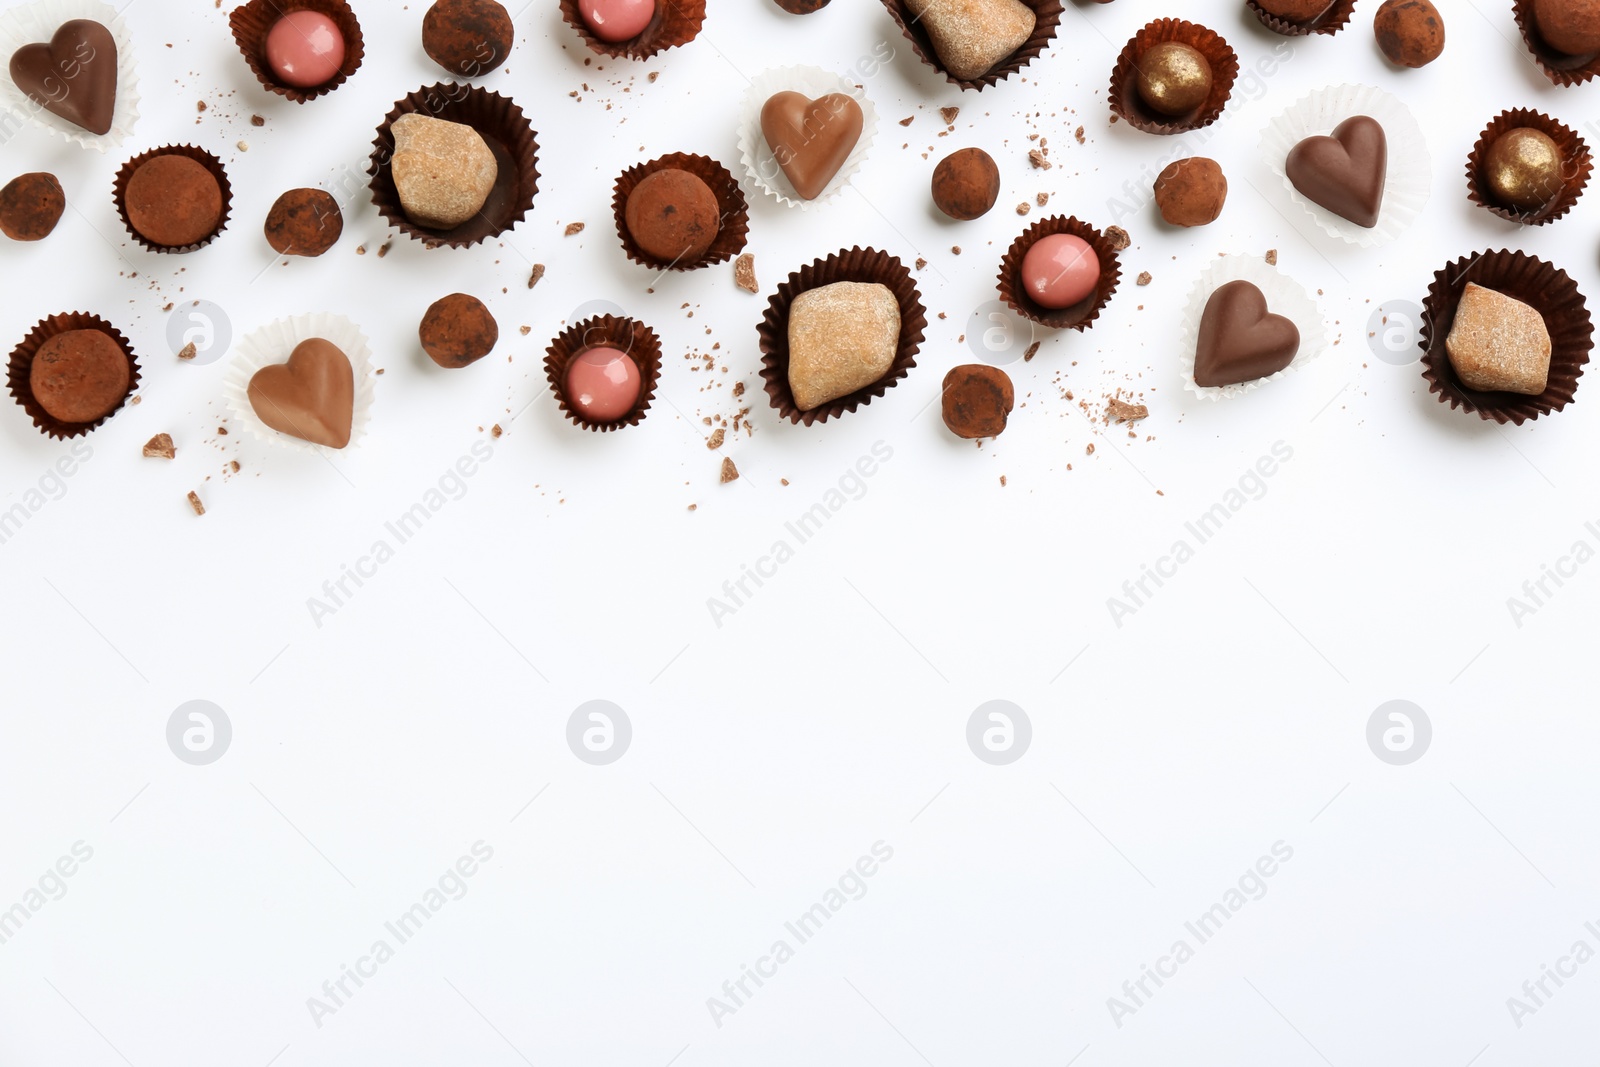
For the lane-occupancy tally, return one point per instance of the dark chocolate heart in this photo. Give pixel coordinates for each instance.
(1345, 172)
(74, 76)
(1240, 340)
(811, 139)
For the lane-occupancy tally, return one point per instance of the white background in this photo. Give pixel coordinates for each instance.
(829, 712)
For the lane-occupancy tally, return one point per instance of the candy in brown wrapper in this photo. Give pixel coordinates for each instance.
(1576, 165)
(733, 213)
(252, 22)
(1561, 68)
(1329, 22)
(1047, 17)
(21, 364)
(212, 164)
(675, 23)
(1126, 103)
(628, 336)
(1080, 316)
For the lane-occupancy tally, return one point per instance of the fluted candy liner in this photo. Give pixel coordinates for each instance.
(273, 344)
(36, 23)
(756, 158)
(1284, 296)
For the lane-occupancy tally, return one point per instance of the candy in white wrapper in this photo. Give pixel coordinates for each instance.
(755, 155)
(1284, 297)
(36, 23)
(273, 344)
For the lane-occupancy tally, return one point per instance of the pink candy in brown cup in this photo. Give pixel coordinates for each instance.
(253, 25)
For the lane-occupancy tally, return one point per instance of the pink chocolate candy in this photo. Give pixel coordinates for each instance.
(617, 20)
(305, 49)
(1060, 270)
(602, 384)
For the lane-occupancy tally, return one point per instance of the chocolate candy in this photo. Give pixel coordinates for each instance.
(801, 7)
(173, 201)
(842, 337)
(467, 37)
(972, 37)
(1296, 10)
(311, 397)
(443, 171)
(1240, 340)
(1409, 32)
(673, 216)
(1524, 169)
(617, 20)
(1060, 270)
(304, 222)
(976, 400)
(30, 206)
(458, 330)
(1191, 192)
(74, 76)
(80, 376)
(966, 184)
(1174, 78)
(602, 384)
(305, 49)
(1570, 26)
(811, 139)
(1344, 173)
(1498, 344)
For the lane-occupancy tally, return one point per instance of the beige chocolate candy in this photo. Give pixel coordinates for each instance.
(842, 337)
(1499, 344)
(443, 171)
(973, 36)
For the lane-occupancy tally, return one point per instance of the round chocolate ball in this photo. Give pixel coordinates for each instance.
(1523, 169)
(1570, 26)
(1174, 78)
(1295, 10)
(672, 216)
(304, 222)
(30, 206)
(966, 184)
(467, 37)
(458, 331)
(173, 201)
(80, 376)
(1410, 32)
(1191, 192)
(976, 400)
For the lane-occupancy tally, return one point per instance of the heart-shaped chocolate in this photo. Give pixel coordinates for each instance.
(1240, 340)
(74, 76)
(312, 397)
(811, 139)
(1345, 172)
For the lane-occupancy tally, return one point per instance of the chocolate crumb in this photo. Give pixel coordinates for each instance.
(908, 120)
(361, 250)
(222, 431)
(694, 507)
(1272, 257)
(955, 250)
(1143, 278)
(1036, 157)
(496, 432)
(949, 114)
(1089, 451)
(785, 481)
(525, 330)
(257, 120)
(730, 473)
(233, 465)
(1118, 237)
(160, 447)
(714, 442)
(194, 502)
(538, 272)
(654, 74)
(383, 249)
(921, 263)
(1121, 411)
(188, 351)
(738, 389)
(1042, 199)
(1078, 133)
(1023, 208)
(1002, 481)
(574, 228)
(744, 273)
(1032, 351)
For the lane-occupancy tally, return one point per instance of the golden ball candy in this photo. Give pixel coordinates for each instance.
(1174, 78)
(1523, 169)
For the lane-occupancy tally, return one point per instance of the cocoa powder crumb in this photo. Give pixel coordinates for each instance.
(160, 447)
(1121, 411)
(908, 120)
(949, 114)
(188, 351)
(1143, 278)
(574, 228)
(496, 432)
(1036, 157)
(1272, 257)
(730, 473)
(744, 273)
(1118, 237)
(538, 272)
(1023, 208)
(718, 435)
(1032, 351)
(1078, 133)
(194, 502)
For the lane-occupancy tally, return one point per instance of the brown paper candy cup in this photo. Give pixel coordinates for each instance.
(1576, 165)
(629, 336)
(1329, 22)
(1047, 17)
(1559, 67)
(503, 127)
(1534, 282)
(119, 193)
(847, 265)
(676, 22)
(1126, 103)
(253, 21)
(21, 363)
(732, 211)
(1079, 316)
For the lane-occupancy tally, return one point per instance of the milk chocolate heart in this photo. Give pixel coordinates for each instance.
(1345, 172)
(74, 76)
(312, 397)
(1240, 340)
(811, 138)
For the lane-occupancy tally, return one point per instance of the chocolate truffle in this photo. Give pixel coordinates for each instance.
(30, 206)
(1295, 10)
(842, 337)
(801, 7)
(1345, 172)
(1410, 32)
(80, 376)
(672, 216)
(966, 184)
(311, 397)
(972, 37)
(305, 49)
(616, 21)
(602, 384)
(467, 37)
(1240, 340)
(304, 222)
(1174, 78)
(173, 201)
(1191, 192)
(87, 50)
(443, 171)
(977, 399)
(458, 331)
(811, 139)
(1498, 344)
(1570, 26)
(1060, 270)
(1524, 169)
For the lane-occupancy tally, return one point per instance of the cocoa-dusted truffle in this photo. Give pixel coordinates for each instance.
(304, 222)
(467, 37)
(1570, 26)
(966, 184)
(173, 201)
(977, 399)
(30, 206)
(1191, 192)
(80, 376)
(458, 331)
(672, 215)
(1410, 32)
(1295, 10)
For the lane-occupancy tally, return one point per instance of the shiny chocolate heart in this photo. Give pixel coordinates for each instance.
(1345, 172)
(1240, 340)
(811, 139)
(74, 76)
(311, 397)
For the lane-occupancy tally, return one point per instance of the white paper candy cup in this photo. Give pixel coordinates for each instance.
(755, 155)
(1410, 172)
(37, 23)
(1284, 297)
(273, 344)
